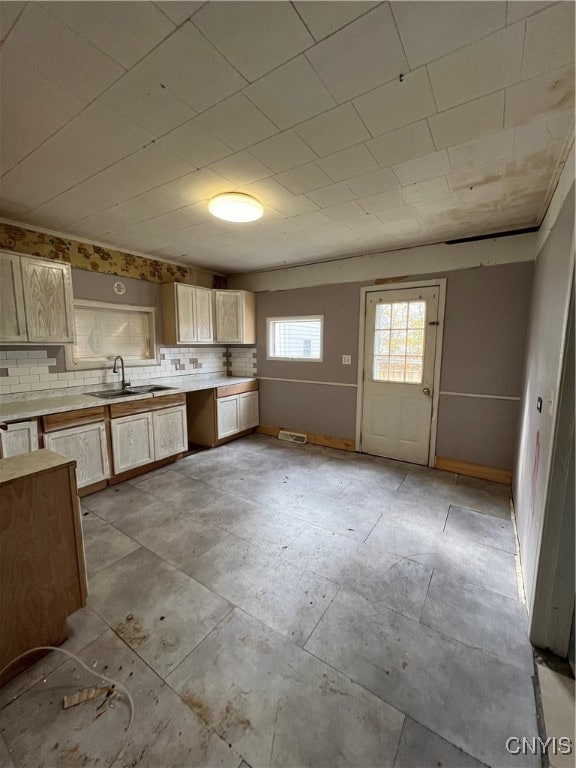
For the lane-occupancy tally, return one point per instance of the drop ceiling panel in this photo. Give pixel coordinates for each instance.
(373, 183)
(192, 69)
(336, 129)
(10, 12)
(195, 145)
(348, 163)
(517, 9)
(291, 94)
(326, 17)
(422, 168)
(305, 178)
(237, 122)
(179, 11)
(343, 211)
(549, 40)
(468, 121)
(363, 55)
(483, 67)
(381, 202)
(254, 37)
(124, 32)
(397, 103)
(241, 169)
(472, 154)
(431, 30)
(551, 92)
(334, 194)
(284, 151)
(402, 144)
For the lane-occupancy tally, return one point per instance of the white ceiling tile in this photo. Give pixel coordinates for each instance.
(374, 183)
(431, 30)
(241, 169)
(489, 173)
(468, 121)
(423, 168)
(381, 202)
(518, 10)
(254, 37)
(361, 56)
(189, 66)
(179, 11)
(291, 94)
(326, 17)
(549, 92)
(60, 55)
(182, 218)
(88, 144)
(365, 227)
(237, 122)
(549, 40)
(402, 144)
(334, 130)
(425, 191)
(400, 226)
(474, 154)
(270, 192)
(195, 145)
(305, 178)
(8, 16)
(284, 151)
(143, 170)
(401, 213)
(146, 103)
(485, 66)
(126, 32)
(546, 132)
(343, 211)
(351, 162)
(332, 195)
(397, 104)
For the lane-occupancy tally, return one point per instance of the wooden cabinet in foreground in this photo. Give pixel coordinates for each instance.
(221, 414)
(186, 314)
(42, 570)
(235, 317)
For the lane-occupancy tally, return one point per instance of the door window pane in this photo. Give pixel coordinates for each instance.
(399, 341)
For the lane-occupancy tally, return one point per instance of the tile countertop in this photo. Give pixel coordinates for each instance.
(24, 409)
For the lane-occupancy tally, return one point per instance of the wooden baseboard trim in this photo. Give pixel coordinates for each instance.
(474, 470)
(326, 440)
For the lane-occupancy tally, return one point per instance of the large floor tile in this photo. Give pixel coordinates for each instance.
(127, 507)
(380, 577)
(420, 748)
(457, 557)
(411, 508)
(178, 490)
(475, 526)
(165, 732)
(103, 543)
(156, 609)
(464, 695)
(377, 473)
(495, 489)
(480, 618)
(557, 692)
(289, 708)
(286, 597)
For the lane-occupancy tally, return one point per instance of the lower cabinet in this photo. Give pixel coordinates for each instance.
(18, 438)
(236, 413)
(142, 438)
(88, 445)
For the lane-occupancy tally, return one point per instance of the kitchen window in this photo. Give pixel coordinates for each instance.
(105, 330)
(295, 338)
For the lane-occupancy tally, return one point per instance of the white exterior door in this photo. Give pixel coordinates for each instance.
(399, 354)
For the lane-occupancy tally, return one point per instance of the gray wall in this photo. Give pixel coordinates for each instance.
(485, 332)
(552, 282)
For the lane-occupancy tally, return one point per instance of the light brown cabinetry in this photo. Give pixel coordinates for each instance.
(235, 317)
(218, 415)
(37, 303)
(187, 315)
(18, 437)
(42, 570)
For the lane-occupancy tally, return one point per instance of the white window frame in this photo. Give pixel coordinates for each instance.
(294, 318)
(72, 365)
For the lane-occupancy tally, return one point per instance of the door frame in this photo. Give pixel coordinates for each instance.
(439, 283)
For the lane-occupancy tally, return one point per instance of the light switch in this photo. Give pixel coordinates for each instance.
(346, 359)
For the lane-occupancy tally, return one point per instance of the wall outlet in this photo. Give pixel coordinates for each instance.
(346, 359)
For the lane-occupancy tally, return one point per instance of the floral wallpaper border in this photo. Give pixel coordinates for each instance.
(94, 258)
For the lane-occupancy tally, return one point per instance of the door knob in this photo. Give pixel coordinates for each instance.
(426, 390)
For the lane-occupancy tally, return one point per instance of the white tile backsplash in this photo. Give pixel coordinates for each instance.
(242, 361)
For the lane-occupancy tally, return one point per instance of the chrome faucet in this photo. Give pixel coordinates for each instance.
(115, 370)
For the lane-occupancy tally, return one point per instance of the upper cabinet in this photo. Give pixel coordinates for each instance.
(36, 297)
(186, 314)
(235, 317)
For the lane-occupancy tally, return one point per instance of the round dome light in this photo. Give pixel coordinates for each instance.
(235, 206)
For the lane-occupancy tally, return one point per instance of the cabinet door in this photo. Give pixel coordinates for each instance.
(185, 313)
(132, 441)
(203, 312)
(88, 445)
(228, 416)
(249, 416)
(12, 319)
(228, 317)
(48, 301)
(18, 438)
(170, 433)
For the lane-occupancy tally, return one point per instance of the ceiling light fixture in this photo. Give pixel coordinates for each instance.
(236, 206)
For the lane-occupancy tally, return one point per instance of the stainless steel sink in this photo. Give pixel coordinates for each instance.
(109, 394)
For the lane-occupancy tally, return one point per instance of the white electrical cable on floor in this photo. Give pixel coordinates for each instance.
(92, 672)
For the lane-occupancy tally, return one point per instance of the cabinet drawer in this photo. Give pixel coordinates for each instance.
(56, 421)
(236, 389)
(149, 404)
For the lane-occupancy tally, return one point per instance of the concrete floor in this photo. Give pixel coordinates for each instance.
(290, 606)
